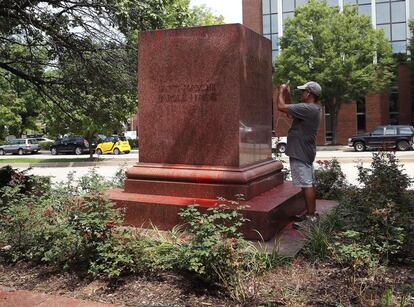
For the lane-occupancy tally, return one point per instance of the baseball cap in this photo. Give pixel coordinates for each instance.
(312, 87)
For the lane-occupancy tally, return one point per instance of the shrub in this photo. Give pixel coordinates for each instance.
(217, 254)
(45, 145)
(381, 209)
(329, 179)
(74, 226)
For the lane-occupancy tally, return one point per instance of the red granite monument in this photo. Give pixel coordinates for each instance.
(205, 122)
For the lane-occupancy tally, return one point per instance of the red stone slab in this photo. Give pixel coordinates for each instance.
(267, 213)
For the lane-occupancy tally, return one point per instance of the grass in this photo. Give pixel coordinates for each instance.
(38, 161)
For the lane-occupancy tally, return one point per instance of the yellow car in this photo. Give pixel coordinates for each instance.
(113, 144)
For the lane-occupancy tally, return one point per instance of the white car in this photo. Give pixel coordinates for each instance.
(279, 143)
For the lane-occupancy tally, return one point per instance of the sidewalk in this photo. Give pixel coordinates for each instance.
(12, 298)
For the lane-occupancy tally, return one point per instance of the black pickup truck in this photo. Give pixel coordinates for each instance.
(400, 137)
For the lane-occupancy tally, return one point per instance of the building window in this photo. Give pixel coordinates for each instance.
(365, 10)
(394, 105)
(361, 119)
(383, 13)
(270, 24)
(288, 5)
(398, 11)
(273, 6)
(391, 17)
(265, 6)
(411, 9)
(387, 30)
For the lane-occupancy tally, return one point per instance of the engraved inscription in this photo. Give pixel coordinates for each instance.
(187, 92)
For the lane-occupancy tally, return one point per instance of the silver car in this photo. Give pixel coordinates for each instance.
(20, 146)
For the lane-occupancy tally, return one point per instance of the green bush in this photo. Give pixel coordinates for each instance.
(379, 212)
(329, 179)
(72, 225)
(45, 145)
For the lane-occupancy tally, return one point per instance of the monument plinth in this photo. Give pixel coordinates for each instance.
(205, 124)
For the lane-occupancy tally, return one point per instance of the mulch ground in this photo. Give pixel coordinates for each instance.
(298, 284)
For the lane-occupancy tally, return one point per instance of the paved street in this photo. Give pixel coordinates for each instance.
(47, 155)
(347, 157)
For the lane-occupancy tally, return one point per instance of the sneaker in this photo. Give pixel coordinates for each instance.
(299, 217)
(302, 217)
(307, 222)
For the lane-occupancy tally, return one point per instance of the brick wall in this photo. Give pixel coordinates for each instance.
(252, 15)
(376, 110)
(404, 88)
(347, 123)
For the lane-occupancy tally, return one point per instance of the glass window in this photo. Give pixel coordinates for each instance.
(274, 55)
(411, 9)
(394, 118)
(393, 107)
(406, 131)
(288, 5)
(364, 1)
(266, 6)
(398, 31)
(300, 2)
(398, 11)
(334, 2)
(383, 13)
(349, 2)
(268, 36)
(364, 10)
(273, 6)
(390, 131)
(274, 23)
(399, 47)
(287, 15)
(361, 122)
(266, 24)
(387, 30)
(275, 42)
(378, 131)
(379, 1)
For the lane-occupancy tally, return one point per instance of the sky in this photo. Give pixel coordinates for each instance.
(230, 9)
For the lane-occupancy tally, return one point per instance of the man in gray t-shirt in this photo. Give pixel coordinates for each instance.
(301, 140)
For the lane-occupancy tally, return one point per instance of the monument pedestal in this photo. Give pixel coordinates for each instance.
(205, 128)
(267, 213)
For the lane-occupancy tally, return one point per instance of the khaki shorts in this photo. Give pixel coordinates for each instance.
(302, 173)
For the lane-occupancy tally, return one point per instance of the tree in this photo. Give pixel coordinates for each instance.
(339, 50)
(20, 105)
(203, 16)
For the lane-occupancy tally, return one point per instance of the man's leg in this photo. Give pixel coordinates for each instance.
(310, 200)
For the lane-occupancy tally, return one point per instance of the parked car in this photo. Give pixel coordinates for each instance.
(113, 144)
(400, 137)
(71, 144)
(279, 143)
(20, 146)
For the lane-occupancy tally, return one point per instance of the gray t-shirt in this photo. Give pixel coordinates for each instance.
(301, 140)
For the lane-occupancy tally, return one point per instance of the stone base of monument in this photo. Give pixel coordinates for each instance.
(267, 213)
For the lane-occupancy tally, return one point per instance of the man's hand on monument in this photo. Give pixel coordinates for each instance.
(285, 89)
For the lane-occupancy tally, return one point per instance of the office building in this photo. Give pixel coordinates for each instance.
(394, 106)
